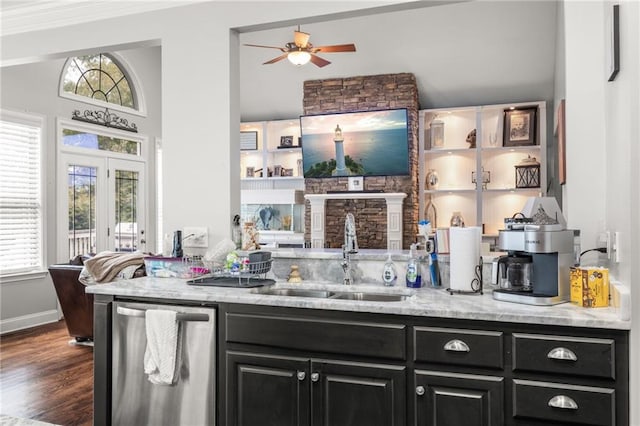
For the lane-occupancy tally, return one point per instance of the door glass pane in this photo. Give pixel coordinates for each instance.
(82, 210)
(126, 199)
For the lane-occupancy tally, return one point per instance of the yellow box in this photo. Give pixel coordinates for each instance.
(590, 287)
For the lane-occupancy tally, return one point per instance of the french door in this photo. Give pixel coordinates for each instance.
(101, 205)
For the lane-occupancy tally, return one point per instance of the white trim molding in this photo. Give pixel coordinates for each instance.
(27, 321)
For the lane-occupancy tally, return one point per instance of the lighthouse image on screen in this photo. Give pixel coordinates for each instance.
(369, 143)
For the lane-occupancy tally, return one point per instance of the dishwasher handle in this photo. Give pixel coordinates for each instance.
(180, 316)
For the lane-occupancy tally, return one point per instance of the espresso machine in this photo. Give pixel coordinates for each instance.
(540, 251)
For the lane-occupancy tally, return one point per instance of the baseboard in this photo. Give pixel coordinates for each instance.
(27, 321)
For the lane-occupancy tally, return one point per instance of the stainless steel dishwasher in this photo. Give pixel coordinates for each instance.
(191, 400)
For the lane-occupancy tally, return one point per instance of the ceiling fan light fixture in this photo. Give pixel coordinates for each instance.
(299, 57)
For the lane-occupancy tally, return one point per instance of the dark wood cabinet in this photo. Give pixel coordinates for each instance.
(265, 389)
(351, 394)
(289, 366)
(454, 399)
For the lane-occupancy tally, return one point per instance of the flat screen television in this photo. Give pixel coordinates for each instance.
(368, 143)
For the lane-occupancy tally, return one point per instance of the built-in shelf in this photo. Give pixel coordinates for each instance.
(457, 165)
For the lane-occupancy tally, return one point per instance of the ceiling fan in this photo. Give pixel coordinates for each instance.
(300, 51)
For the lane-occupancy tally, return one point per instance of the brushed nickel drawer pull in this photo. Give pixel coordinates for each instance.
(315, 377)
(563, 354)
(564, 402)
(420, 390)
(301, 375)
(456, 345)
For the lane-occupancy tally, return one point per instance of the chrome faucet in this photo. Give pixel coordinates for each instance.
(349, 247)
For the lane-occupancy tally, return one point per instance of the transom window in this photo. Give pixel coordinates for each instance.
(100, 79)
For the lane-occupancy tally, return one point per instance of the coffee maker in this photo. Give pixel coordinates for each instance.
(540, 252)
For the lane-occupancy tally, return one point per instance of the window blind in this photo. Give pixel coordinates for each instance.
(20, 193)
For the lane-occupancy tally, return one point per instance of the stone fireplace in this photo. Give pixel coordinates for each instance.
(365, 93)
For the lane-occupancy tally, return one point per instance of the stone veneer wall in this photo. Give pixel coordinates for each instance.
(366, 93)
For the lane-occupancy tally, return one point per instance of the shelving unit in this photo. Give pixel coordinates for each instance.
(270, 158)
(455, 161)
(266, 190)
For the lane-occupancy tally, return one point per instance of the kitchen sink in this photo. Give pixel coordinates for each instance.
(341, 295)
(296, 292)
(372, 297)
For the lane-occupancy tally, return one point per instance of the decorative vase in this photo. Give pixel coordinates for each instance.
(432, 179)
(457, 220)
(431, 214)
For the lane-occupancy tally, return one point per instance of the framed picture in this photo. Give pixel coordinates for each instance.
(520, 127)
(612, 45)
(562, 156)
(251, 172)
(286, 141)
(356, 183)
(287, 172)
(248, 141)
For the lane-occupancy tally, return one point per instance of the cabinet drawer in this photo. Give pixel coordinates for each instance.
(317, 334)
(461, 347)
(563, 403)
(564, 355)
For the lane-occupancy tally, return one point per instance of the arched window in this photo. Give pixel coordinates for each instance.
(100, 79)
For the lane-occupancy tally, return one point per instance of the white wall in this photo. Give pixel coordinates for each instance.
(602, 144)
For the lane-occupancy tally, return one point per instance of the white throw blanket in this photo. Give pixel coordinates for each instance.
(162, 355)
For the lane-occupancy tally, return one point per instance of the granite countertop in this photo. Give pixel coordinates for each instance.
(426, 302)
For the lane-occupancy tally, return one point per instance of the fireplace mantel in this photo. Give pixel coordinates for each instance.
(394, 214)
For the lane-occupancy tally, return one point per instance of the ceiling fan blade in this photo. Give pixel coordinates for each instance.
(300, 38)
(274, 60)
(335, 48)
(268, 47)
(318, 61)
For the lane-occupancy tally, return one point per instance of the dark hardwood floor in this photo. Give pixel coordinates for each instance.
(44, 378)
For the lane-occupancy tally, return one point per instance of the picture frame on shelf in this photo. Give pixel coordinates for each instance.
(520, 127)
(248, 141)
(287, 172)
(356, 183)
(250, 172)
(286, 141)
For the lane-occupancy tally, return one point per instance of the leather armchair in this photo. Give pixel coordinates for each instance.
(77, 306)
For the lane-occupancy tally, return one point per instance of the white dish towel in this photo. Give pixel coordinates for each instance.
(162, 354)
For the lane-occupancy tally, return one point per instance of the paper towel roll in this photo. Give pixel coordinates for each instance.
(464, 247)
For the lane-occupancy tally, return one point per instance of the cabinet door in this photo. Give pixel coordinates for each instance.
(353, 394)
(267, 390)
(453, 399)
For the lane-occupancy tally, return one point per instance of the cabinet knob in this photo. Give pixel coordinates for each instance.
(315, 377)
(564, 402)
(301, 375)
(456, 345)
(419, 390)
(563, 354)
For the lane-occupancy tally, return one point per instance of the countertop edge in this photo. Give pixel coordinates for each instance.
(425, 302)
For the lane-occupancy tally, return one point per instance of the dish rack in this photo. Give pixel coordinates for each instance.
(251, 274)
